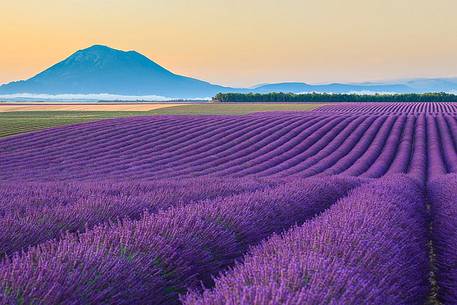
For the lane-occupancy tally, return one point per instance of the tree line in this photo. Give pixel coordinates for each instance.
(279, 97)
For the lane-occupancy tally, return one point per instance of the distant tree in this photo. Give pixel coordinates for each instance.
(280, 97)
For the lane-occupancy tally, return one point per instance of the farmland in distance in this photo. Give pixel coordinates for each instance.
(19, 118)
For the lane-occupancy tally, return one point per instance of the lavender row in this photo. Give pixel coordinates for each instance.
(264, 153)
(247, 149)
(417, 168)
(47, 210)
(153, 260)
(369, 248)
(138, 168)
(336, 160)
(448, 134)
(134, 157)
(262, 145)
(143, 137)
(18, 199)
(355, 161)
(444, 235)
(255, 156)
(388, 148)
(394, 108)
(401, 160)
(436, 162)
(98, 130)
(326, 146)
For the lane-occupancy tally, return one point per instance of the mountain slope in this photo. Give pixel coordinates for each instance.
(100, 69)
(433, 84)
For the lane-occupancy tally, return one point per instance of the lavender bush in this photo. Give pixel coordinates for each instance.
(369, 248)
(444, 216)
(152, 260)
(36, 213)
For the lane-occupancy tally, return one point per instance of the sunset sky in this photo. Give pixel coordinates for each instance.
(240, 43)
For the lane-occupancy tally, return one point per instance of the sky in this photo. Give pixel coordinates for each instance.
(240, 43)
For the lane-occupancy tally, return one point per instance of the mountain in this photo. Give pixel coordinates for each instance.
(433, 84)
(103, 70)
(332, 88)
(419, 85)
(100, 69)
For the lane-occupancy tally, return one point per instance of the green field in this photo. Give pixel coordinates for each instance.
(233, 109)
(24, 121)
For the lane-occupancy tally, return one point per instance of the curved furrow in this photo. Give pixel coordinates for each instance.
(436, 164)
(210, 138)
(239, 134)
(54, 135)
(374, 149)
(400, 162)
(389, 108)
(328, 145)
(94, 132)
(332, 162)
(311, 146)
(262, 144)
(81, 143)
(192, 135)
(359, 149)
(307, 139)
(122, 140)
(240, 147)
(108, 144)
(388, 151)
(187, 134)
(452, 127)
(79, 161)
(448, 146)
(418, 163)
(31, 149)
(276, 144)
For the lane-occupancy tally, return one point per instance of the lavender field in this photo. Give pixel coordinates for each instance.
(344, 204)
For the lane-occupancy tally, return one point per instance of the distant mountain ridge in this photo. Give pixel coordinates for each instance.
(330, 88)
(103, 70)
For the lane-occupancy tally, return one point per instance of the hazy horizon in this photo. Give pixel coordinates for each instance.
(254, 84)
(239, 43)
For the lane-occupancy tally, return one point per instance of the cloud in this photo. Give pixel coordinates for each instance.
(88, 97)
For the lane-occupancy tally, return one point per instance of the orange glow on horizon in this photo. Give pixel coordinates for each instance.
(240, 43)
